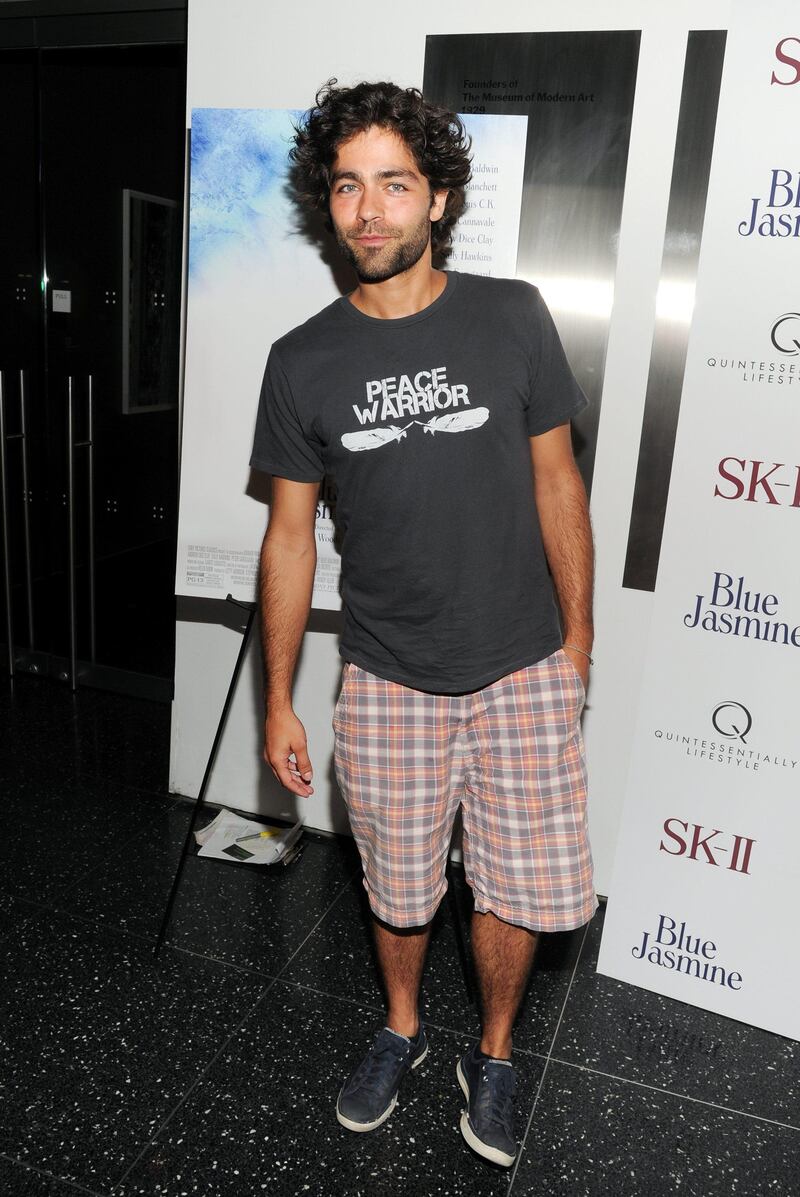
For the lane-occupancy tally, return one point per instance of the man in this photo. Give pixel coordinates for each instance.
(440, 403)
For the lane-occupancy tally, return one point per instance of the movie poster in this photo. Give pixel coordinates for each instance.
(257, 268)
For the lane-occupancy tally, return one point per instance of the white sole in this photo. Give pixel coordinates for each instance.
(489, 1153)
(366, 1126)
(361, 1127)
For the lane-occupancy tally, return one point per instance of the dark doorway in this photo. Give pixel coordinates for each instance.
(90, 307)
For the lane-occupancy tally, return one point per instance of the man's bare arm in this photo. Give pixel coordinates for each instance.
(567, 535)
(288, 560)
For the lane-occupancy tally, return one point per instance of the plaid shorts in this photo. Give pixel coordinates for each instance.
(510, 754)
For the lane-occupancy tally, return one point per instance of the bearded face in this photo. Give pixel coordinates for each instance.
(381, 205)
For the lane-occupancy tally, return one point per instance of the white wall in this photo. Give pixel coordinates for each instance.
(250, 54)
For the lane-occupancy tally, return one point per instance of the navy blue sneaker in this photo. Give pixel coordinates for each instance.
(369, 1094)
(487, 1123)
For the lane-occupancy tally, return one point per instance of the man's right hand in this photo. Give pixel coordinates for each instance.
(286, 751)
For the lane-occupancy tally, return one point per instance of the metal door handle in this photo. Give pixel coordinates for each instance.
(4, 521)
(26, 514)
(72, 445)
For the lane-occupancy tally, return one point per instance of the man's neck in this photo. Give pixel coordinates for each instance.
(404, 295)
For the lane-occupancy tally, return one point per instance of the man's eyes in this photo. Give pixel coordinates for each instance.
(348, 188)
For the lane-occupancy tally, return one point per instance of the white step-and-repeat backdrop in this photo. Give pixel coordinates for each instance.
(705, 886)
(692, 454)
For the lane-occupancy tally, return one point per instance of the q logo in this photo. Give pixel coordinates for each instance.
(784, 333)
(732, 720)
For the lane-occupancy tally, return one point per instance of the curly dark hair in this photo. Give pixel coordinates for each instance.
(436, 138)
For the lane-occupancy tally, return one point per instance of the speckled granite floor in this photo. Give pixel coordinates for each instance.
(213, 1068)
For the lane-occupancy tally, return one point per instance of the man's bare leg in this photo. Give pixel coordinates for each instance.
(503, 958)
(401, 954)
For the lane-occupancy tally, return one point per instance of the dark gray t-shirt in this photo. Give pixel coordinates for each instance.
(424, 422)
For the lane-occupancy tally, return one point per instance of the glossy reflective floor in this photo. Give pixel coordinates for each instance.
(214, 1068)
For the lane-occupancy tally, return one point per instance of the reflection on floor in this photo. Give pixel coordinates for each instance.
(214, 1068)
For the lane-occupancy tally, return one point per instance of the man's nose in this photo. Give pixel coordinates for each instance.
(370, 207)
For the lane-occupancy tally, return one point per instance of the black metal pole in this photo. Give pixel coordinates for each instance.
(252, 608)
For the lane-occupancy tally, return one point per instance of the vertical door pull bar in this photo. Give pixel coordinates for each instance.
(26, 513)
(72, 445)
(4, 520)
(73, 615)
(90, 467)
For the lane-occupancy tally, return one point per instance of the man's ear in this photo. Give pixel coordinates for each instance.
(438, 201)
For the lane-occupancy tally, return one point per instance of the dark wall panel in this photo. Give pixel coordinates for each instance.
(694, 143)
(577, 90)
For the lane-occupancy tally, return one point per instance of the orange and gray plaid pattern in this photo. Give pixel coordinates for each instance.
(511, 754)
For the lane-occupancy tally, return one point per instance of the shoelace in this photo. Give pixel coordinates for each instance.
(373, 1068)
(498, 1097)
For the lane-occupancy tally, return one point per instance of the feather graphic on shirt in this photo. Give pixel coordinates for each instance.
(373, 438)
(457, 421)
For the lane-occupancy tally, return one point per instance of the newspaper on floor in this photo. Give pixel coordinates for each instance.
(232, 837)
